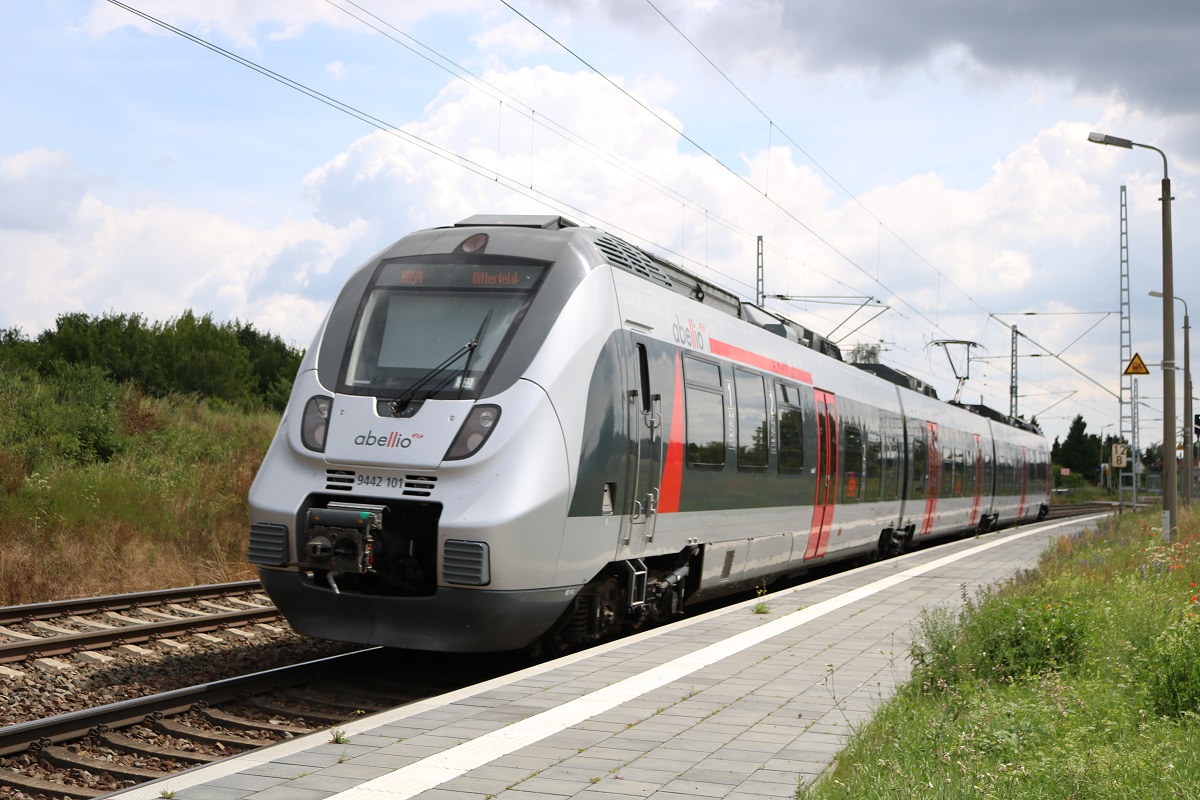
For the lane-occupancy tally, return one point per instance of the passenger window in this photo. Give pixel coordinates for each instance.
(891, 469)
(852, 470)
(920, 465)
(791, 429)
(704, 414)
(947, 489)
(702, 373)
(752, 420)
(873, 471)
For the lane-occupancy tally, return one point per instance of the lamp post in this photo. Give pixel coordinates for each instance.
(1170, 499)
(1185, 485)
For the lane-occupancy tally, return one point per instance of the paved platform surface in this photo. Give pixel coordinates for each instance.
(734, 704)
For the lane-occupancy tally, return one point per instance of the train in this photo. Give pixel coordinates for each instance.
(519, 432)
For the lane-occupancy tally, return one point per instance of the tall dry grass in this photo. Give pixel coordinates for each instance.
(117, 492)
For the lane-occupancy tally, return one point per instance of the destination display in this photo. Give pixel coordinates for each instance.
(460, 276)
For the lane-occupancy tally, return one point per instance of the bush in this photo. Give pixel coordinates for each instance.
(1003, 635)
(190, 355)
(1173, 669)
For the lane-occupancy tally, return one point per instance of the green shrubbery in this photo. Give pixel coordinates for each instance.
(231, 362)
(1012, 631)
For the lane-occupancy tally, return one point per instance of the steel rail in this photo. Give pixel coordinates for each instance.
(118, 602)
(48, 646)
(94, 721)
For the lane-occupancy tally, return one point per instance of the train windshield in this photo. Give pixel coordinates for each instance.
(433, 326)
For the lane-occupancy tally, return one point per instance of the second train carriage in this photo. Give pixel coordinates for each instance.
(518, 430)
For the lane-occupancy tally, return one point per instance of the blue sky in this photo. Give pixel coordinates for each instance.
(932, 156)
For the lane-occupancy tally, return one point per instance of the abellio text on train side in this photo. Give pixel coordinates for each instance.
(690, 335)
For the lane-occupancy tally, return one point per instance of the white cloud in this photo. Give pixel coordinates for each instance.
(38, 189)
(81, 253)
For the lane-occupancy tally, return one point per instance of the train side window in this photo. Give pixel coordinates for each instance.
(989, 466)
(852, 470)
(873, 471)
(705, 428)
(704, 414)
(702, 373)
(791, 429)
(920, 467)
(752, 420)
(891, 468)
(947, 488)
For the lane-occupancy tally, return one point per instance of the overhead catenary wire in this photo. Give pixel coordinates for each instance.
(552, 201)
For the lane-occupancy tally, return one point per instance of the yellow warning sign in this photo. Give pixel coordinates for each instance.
(1136, 366)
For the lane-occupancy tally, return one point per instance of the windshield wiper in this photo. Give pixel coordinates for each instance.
(404, 400)
(474, 343)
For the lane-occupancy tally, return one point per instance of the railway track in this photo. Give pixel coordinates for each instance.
(71, 627)
(1063, 510)
(90, 753)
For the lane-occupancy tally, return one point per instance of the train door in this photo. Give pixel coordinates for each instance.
(645, 426)
(933, 478)
(1023, 467)
(827, 474)
(977, 484)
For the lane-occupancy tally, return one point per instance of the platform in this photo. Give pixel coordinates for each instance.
(733, 704)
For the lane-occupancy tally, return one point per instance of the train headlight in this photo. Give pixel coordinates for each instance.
(474, 432)
(315, 422)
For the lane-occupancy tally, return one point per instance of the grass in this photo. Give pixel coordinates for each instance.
(111, 491)
(1079, 679)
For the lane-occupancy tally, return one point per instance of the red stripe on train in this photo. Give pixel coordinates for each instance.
(726, 350)
(672, 478)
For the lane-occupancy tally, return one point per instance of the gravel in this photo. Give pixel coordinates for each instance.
(36, 692)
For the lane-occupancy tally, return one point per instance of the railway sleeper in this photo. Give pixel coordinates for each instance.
(236, 744)
(35, 786)
(227, 720)
(305, 712)
(62, 757)
(128, 744)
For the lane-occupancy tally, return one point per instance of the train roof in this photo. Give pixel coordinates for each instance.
(650, 267)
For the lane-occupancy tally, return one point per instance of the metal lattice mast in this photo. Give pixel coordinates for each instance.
(1126, 334)
(1012, 380)
(759, 297)
(1128, 400)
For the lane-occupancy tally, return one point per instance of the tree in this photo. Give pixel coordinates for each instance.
(864, 354)
(1080, 452)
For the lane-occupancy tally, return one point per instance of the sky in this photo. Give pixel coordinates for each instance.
(927, 161)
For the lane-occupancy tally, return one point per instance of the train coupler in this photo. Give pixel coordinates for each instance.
(342, 538)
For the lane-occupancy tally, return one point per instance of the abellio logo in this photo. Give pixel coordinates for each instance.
(690, 335)
(393, 439)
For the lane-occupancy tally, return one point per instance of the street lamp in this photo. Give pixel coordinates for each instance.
(1170, 500)
(1186, 485)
